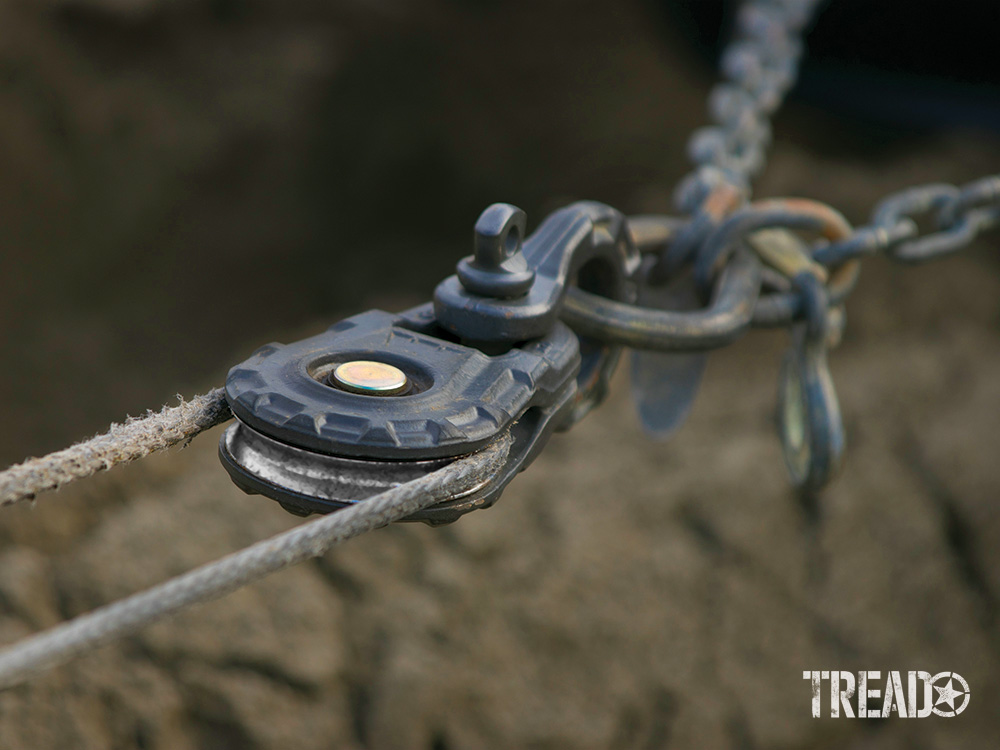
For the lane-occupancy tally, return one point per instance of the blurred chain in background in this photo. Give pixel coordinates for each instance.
(934, 70)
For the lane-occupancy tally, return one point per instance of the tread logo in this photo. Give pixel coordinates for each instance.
(852, 695)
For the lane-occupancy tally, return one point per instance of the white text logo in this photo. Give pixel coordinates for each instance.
(857, 694)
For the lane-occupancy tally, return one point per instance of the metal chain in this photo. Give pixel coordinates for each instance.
(759, 67)
(958, 215)
(744, 295)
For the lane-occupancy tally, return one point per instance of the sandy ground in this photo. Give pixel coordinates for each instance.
(623, 593)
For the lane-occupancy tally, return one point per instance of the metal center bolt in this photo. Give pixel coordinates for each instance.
(370, 378)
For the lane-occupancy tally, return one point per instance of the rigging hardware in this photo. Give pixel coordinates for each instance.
(489, 356)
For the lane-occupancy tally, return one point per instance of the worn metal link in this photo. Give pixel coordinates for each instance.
(926, 199)
(981, 196)
(958, 216)
(867, 241)
(759, 67)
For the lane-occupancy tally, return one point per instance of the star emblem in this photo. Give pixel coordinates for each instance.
(947, 693)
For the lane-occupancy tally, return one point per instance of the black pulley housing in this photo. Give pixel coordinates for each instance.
(380, 398)
(315, 448)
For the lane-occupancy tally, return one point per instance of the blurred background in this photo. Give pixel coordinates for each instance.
(183, 181)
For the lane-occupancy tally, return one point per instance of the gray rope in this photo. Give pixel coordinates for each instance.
(137, 437)
(74, 637)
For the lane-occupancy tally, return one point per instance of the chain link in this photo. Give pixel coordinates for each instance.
(759, 67)
(958, 216)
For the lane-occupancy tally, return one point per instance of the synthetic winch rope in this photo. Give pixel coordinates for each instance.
(312, 539)
(122, 443)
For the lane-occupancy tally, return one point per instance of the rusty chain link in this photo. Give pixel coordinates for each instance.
(759, 67)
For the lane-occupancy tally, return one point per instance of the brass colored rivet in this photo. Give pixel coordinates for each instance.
(370, 378)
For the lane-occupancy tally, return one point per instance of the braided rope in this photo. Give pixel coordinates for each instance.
(211, 581)
(122, 443)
